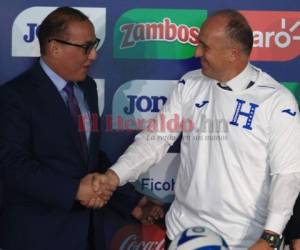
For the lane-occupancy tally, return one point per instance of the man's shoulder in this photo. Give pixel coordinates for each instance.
(23, 86)
(194, 78)
(22, 81)
(272, 91)
(266, 81)
(193, 74)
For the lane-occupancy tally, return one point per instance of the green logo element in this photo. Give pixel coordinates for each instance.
(158, 33)
(294, 87)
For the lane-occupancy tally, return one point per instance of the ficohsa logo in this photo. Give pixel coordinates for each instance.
(25, 26)
(159, 181)
(276, 35)
(157, 33)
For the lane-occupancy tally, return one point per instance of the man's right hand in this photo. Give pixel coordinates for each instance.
(90, 196)
(111, 180)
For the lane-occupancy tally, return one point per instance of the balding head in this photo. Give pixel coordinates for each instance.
(237, 29)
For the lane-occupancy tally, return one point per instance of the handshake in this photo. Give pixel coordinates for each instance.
(96, 189)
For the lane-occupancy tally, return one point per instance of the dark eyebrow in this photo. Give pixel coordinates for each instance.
(90, 41)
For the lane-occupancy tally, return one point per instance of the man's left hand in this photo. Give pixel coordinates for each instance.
(261, 245)
(295, 245)
(148, 211)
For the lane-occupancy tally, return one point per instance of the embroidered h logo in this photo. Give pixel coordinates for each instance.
(238, 112)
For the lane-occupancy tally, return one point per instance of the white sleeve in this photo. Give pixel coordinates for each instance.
(153, 142)
(284, 140)
(284, 192)
(284, 160)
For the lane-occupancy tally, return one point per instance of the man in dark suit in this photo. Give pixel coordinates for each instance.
(49, 142)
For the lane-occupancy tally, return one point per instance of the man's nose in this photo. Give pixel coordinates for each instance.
(93, 54)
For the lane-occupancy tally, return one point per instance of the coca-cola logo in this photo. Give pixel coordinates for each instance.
(139, 237)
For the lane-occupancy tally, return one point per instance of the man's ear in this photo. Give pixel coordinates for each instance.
(53, 48)
(235, 54)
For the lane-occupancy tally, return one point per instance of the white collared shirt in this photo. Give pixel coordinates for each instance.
(242, 80)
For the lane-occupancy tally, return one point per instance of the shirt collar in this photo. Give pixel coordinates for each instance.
(241, 81)
(55, 78)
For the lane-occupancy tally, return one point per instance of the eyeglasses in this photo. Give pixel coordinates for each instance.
(87, 46)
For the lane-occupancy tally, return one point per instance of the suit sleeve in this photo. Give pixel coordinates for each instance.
(125, 198)
(21, 169)
(292, 230)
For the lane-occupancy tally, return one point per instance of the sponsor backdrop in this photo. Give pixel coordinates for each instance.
(146, 46)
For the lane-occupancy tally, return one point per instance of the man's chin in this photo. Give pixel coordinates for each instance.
(205, 72)
(81, 78)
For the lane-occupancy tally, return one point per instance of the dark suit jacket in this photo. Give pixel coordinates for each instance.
(292, 230)
(42, 163)
(117, 213)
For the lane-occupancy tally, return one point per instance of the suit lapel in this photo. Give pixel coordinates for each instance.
(90, 95)
(51, 99)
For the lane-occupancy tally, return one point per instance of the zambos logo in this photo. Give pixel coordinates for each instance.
(276, 35)
(157, 33)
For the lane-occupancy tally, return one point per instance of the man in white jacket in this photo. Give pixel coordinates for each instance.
(240, 149)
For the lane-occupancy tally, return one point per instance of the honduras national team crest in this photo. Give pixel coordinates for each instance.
(239, 112)
(198, 238)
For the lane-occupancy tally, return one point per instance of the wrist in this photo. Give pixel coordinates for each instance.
(78, 191)
(272, 239)
(113, 177)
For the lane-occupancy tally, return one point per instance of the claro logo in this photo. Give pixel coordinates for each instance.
(276, 35)
(157, 33)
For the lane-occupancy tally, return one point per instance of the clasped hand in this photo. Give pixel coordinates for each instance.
(96, 189)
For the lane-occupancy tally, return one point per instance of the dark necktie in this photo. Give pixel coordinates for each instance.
(74, 109)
